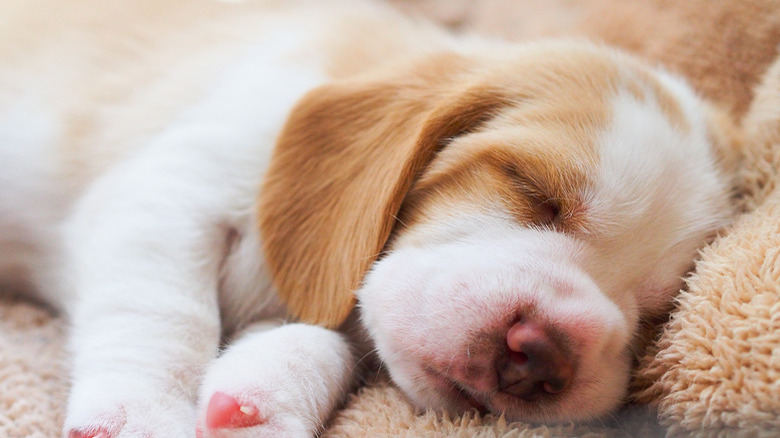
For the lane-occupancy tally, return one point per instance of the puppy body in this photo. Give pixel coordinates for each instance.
(87, 90)
(559, 183)
(136, 140)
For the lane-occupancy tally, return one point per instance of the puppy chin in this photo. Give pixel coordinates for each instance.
(430, 390)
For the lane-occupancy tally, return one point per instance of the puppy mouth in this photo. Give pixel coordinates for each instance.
(469, 399)
(462, 397)
(456, 393)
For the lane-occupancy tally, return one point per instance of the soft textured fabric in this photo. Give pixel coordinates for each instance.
(714, 370)
(33, 377)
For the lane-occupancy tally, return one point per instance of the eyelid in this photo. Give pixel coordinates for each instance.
(550, 211)
(547, 208)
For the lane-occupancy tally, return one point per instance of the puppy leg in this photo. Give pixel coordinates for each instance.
(147, 243)
(276, 381)
(144, 249)
(136, 368)
(139, 349)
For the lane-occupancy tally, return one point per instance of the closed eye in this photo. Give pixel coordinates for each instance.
(533, 204)
(548, 212)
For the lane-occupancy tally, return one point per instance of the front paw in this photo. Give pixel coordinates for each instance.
(280, 382)
(128, 411)
(249, 413)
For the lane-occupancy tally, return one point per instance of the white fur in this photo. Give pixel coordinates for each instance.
(295, 388)
(155, 247)
(154, 231)
(157, 254)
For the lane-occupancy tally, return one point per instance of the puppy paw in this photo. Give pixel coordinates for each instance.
(228, 412)
(96, 432)
(148, 414)
(247, 414)
(275, 382)
(105, 424)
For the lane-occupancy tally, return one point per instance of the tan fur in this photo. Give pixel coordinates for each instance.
(535, 154)
(722, 47)
(359, 144)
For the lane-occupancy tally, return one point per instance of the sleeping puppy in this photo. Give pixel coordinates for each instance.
(504, 216)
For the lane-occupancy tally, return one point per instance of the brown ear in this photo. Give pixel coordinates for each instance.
(344, 161)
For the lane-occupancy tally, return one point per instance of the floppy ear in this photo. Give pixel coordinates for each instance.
(343, 163)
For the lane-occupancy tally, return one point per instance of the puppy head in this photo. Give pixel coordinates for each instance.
(534, 205)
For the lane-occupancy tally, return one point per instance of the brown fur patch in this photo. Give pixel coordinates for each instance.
(535, 156)
(343, 164)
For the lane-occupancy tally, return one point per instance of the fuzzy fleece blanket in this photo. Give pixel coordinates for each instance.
(712, 370)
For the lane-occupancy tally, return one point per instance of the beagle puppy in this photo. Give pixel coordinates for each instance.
(209, 190)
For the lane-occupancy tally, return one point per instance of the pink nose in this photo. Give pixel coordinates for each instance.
(536, 363)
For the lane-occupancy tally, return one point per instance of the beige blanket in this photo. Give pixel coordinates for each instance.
(715, 368)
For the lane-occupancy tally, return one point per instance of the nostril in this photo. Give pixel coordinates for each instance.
(518, 357)
(554, 386)
(535, 364)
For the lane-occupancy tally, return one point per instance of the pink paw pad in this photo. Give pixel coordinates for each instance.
(90, 433)
(227, 412)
